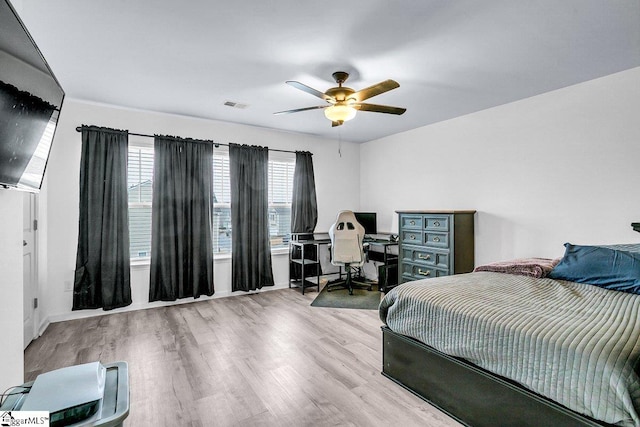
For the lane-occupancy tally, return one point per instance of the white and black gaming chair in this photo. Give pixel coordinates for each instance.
(347, 250)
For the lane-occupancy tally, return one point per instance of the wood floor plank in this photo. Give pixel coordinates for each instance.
(264, 359)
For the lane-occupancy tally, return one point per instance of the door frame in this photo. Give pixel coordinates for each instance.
(35, 294)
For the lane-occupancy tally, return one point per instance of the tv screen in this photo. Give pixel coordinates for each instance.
(368, 221)
(30, 103)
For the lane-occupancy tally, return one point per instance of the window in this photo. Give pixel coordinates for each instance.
(280, 196)
(221, 203)
(140, 175)
(140, 180)
(280, 191)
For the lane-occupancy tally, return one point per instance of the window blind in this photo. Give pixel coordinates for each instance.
(140, 186)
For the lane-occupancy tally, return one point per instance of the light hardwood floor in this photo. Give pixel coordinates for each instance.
(267, 359)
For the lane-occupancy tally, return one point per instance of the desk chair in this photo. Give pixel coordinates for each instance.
(347, 250)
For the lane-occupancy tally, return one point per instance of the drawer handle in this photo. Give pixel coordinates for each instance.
(412, 222)
(420, 256)
(424, 273)
(412, 237)
(436, 224)
(436, 239)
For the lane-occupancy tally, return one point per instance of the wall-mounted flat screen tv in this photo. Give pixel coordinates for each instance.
(30, 103)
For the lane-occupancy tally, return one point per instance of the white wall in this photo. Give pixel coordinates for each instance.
(337, 185)
(555, 168)
(11, 313)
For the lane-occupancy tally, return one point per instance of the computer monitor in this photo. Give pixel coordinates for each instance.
(368, 221)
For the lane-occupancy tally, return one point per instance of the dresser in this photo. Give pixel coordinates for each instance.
(435, 243)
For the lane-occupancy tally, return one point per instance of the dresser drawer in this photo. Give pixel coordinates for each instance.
(412, 271)
(435, 239)
(411, 237)
(413, 222)
(425, 256)
(436, 223)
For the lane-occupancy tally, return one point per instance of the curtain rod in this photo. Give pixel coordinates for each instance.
(216, 144)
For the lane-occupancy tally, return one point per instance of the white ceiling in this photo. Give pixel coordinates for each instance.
(450, 57)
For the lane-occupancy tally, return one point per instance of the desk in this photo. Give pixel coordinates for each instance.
(305, 268)
(388, 271)
(303, 256)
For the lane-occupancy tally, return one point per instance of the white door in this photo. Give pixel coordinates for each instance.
(29, 269)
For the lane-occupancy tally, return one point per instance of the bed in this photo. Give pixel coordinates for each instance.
(493, 348)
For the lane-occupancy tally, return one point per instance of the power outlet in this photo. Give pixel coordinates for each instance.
(68, 286)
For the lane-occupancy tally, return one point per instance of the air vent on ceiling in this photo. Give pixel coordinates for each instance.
(236, 105)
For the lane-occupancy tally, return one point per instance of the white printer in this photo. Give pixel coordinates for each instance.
(92, 394)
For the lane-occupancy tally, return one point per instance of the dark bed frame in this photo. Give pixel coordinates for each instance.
(471, 395)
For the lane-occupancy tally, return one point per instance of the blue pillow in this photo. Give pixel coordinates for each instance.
(627, 247)
(600, 266)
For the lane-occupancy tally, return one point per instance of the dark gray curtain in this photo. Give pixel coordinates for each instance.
(304, 207)
(181, 221)
(250, 247)
(102, 276)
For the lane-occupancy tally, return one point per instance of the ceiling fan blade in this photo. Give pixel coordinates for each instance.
(379, 108)
(302, 109)
(374, 90)
(309, 90)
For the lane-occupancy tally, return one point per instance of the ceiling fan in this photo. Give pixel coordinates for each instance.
(344, 102)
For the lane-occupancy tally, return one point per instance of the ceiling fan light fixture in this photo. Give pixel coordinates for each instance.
(340, 113)
(345, 102)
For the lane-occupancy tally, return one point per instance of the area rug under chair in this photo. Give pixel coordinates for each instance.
(340, 298)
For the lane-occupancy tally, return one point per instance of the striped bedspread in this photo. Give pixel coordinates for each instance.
(574, 343)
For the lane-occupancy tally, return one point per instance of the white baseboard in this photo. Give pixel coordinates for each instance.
(44, 324)
(83, 314)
